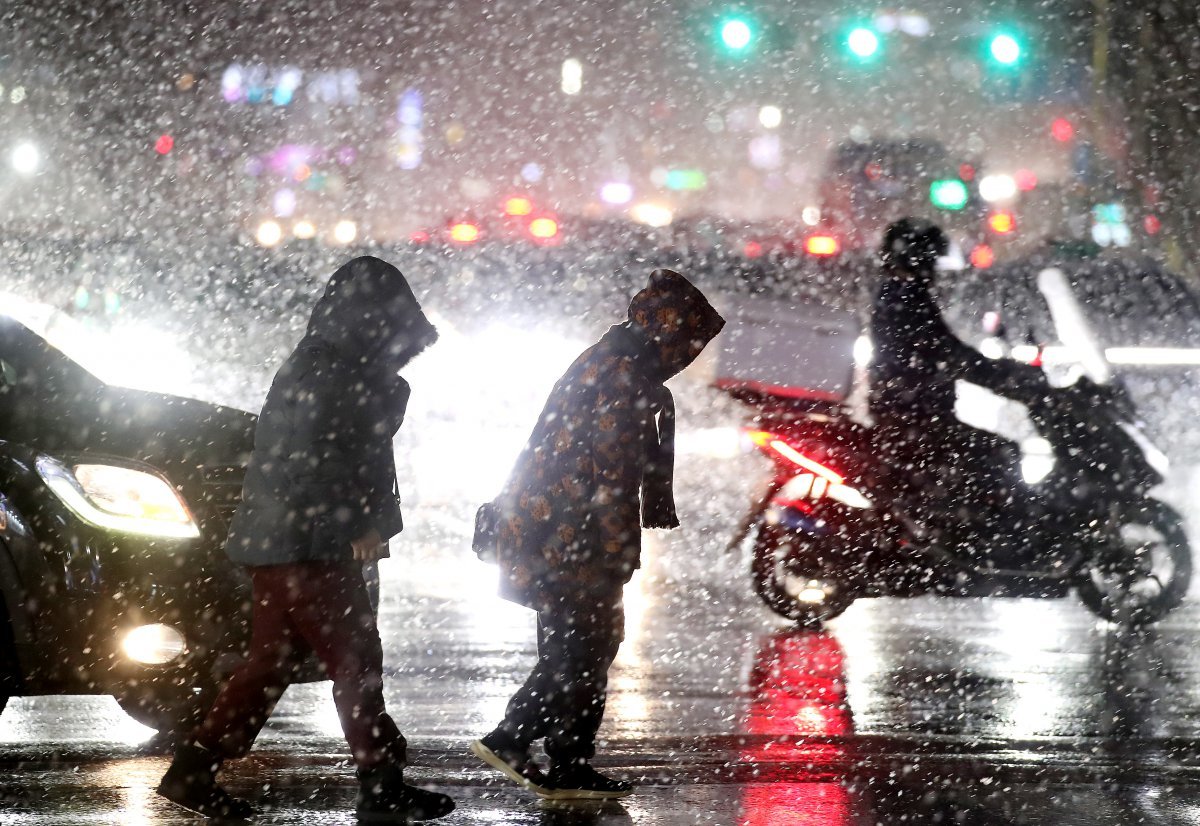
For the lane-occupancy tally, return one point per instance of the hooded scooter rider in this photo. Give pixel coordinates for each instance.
(596, 470)
(319, 500)
(916, 363)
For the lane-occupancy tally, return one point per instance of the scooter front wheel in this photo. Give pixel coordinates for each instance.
(809, 597)
(1147, 571)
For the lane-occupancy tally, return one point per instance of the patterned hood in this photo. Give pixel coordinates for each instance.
(674, 322)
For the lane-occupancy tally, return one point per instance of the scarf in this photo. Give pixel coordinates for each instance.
(657, 494)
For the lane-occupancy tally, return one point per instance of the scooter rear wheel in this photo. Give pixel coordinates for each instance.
(793, 593)
(1151, 572)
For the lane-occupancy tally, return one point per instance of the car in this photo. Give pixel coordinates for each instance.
(114, 506)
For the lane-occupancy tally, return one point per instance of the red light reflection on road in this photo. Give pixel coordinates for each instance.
(797, 728)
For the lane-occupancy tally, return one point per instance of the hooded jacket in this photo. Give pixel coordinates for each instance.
(323, 472)
(598, 465)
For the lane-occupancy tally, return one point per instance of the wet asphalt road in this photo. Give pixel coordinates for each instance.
(922, 711)
(900, 712)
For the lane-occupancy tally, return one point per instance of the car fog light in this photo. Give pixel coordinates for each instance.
(153, 644)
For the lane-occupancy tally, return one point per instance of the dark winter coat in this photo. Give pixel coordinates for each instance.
(323, 472)
(917, 358)
(597, 467)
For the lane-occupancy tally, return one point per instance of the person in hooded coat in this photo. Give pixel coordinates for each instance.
(596, 470)
(319, 500)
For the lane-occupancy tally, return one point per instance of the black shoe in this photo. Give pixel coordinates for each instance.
(515, 763)
(579, 781)
(384, 797)
(191, 782)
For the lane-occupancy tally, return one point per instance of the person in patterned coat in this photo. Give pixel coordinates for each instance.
(567, 528)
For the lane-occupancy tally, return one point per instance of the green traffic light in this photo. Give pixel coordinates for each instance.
(736, 34)
(863, 43)
(948, 193)
(1005, 49)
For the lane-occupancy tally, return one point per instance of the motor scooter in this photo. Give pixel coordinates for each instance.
(835, 524)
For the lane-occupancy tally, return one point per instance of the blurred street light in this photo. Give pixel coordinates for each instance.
(616, 192)
(26, 158)
(654, 215)
(770, 116)
(1005, 49)
(572, 76)
(269, 233)
(344, 232)
(948, 193)
(863, 43)
(736, 34)
(997, 187)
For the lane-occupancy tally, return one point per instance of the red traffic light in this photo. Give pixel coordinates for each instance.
(164, 144)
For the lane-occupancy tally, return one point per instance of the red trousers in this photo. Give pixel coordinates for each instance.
(301, 608)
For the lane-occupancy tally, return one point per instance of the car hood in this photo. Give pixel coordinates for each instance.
(166, 431)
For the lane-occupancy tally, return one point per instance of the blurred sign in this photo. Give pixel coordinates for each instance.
(281, 85)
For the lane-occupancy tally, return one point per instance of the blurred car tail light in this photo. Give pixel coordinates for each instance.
(1002, 223)
(543, 228)
(419, 237)
(518, 206)
(982, 257)
(464, 232)
(752, 249)
(821, 245)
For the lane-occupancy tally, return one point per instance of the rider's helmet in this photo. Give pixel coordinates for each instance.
(914, 245)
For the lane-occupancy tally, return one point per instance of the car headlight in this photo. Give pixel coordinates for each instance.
(120, 498)
(155, 644)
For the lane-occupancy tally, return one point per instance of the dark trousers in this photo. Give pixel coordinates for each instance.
(298, 609)
(563, 698)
